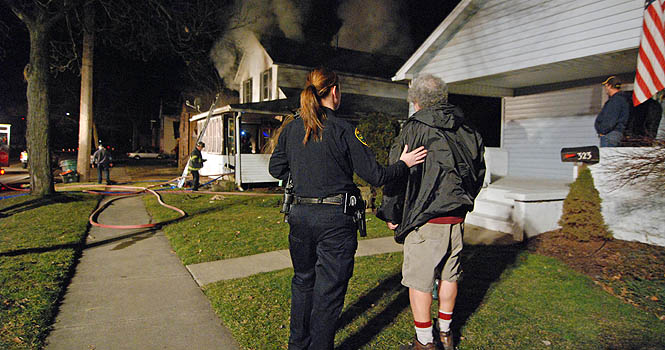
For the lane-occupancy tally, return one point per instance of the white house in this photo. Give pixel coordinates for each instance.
(271, 75)
(545, 60)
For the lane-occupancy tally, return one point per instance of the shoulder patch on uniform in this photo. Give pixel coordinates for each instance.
(360, 137)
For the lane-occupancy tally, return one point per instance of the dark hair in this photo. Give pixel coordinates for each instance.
(319, 83)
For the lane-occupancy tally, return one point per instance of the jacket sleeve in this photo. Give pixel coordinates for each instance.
(365, 164)
(278, 166)
(392, 205)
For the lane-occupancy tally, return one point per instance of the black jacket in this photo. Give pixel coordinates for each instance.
(433, 189)
(195, 160)
(325, 168)
(101, 157)
(613, 116)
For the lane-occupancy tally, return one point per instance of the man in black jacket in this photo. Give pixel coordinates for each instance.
(102, 160)
(613, 118)
(427, 209)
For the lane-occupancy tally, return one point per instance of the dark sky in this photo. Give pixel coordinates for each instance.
(128, 83)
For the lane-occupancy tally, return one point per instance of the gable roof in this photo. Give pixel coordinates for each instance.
(291, 52)
(438, 38)
(507, 48)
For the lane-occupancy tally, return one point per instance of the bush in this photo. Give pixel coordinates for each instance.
(379, 131)
(582, 218)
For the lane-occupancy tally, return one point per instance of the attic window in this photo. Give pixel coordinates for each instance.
(247, 91)
(266, 84)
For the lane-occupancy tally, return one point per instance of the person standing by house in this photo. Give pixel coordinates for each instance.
(427, 209)
(320, 152)
(195, 164)
(613, 118)
(102, 160)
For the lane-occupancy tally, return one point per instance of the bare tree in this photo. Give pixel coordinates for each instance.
(642, 166)
(39, 16)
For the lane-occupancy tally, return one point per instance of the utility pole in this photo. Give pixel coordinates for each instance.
(85, 118)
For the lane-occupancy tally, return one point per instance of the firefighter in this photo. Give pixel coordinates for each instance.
(196, 163)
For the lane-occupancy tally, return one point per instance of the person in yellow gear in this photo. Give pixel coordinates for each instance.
(196, 163)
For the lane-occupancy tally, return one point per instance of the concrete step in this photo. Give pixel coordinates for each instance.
(494, 208)
(496, 194)
(490, 222)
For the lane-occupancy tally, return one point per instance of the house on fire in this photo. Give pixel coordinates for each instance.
(271, 75)
(545, 60)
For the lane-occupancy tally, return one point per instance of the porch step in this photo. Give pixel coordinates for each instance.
(489, 207)
(501, 224)
(496, 195)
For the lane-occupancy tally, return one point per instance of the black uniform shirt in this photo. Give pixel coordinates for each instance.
(325, 168)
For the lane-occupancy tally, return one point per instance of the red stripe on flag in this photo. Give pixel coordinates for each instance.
(653, 39)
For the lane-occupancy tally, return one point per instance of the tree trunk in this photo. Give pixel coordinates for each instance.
(39, 146)
(86, 116)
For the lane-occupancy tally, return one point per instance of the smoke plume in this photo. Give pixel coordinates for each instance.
(376, 26)
(255, 18)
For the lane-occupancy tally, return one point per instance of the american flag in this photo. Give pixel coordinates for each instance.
(650, 76)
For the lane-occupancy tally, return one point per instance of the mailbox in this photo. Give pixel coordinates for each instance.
(588, 154)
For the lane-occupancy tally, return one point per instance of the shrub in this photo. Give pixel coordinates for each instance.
(379, 131)
(582, 218)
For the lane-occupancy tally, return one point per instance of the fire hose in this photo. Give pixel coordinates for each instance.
(130, 191)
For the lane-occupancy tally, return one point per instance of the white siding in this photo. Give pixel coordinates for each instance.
(561, 103)
(508, 35)
(254, 168)
(534, 145)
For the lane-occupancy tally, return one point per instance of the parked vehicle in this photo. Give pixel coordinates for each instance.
(145, 154)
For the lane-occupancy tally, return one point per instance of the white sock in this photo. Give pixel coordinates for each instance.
(424, 334)
(444, 321)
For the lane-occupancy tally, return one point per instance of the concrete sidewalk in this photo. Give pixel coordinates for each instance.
(130, 291)
(214, 271)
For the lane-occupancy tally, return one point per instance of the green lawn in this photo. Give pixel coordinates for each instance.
(509, 298)
(229, 226)
(37, 253)
(533, 303)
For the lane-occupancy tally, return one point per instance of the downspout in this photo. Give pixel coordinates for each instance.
(238, 169)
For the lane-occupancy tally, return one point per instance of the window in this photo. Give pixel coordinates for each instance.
(266, 84)
(247, 91)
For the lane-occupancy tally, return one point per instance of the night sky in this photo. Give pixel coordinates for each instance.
(129, 89)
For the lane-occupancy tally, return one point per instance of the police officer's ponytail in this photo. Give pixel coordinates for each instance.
(320, 82)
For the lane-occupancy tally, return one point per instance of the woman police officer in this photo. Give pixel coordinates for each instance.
(321, 152)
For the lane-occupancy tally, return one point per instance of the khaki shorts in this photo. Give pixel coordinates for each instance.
(431, 248)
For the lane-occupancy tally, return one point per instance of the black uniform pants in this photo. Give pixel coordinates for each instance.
(195, 184)
(322, 243)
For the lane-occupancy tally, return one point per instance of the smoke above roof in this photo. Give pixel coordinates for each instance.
(375, 26)
(367, 25)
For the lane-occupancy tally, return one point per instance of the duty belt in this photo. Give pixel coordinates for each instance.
(335, 200)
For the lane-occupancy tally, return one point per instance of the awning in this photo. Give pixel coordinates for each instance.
(353, 105)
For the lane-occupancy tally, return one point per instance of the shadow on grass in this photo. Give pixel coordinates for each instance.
(483, 265)
(377, 323)
(135, 236)
(37, 203)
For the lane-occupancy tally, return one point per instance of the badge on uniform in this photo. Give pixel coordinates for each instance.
(360, 137)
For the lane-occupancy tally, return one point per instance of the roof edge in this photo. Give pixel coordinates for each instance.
(464, 7)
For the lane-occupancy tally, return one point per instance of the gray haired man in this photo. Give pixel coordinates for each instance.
(428, 208)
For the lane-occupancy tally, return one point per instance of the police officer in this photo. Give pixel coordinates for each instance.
(196, 163)
(321, 152)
